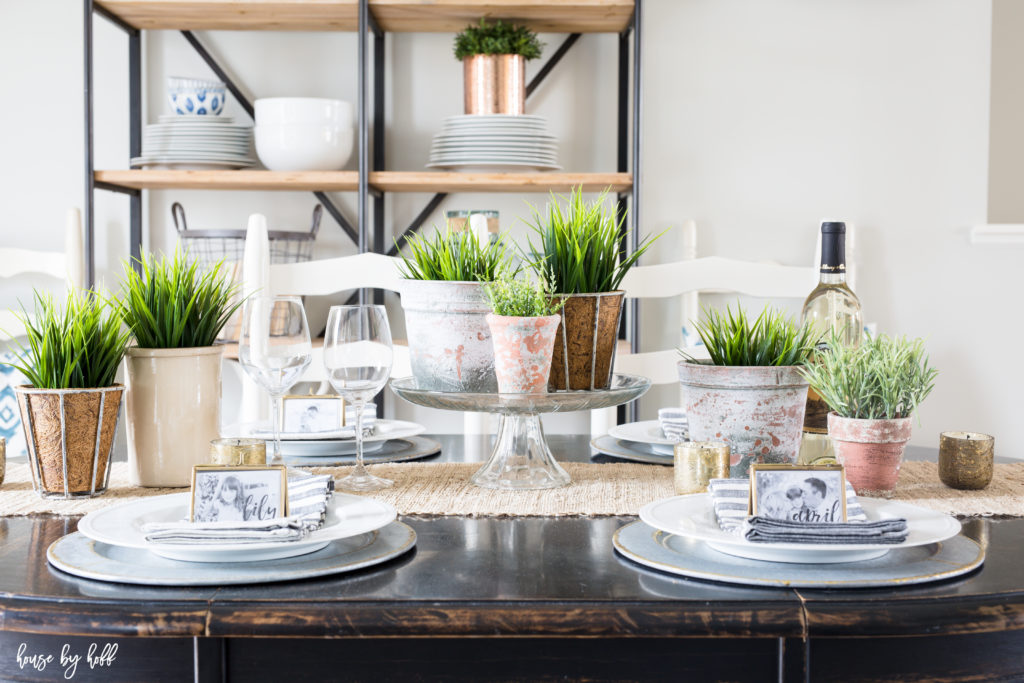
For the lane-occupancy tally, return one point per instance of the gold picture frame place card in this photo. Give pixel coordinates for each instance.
(800, 493)
(238, 494)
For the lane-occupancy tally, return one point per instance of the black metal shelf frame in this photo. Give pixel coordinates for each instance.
(628, 137)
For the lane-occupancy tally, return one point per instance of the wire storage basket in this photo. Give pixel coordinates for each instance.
(209, 247)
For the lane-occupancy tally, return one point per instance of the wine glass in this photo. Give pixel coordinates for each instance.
(358, 356)
(274, 349)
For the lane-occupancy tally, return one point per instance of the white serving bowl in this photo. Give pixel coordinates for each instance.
(273, 111)
(303, 147)
(195, 97)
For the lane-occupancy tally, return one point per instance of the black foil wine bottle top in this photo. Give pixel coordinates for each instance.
(833, 247)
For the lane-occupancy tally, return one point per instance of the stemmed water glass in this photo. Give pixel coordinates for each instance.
(274, 349)
(358, 357)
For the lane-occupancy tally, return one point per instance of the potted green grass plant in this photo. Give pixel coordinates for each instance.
(523, 322)
(580, 249)
(70, 408)
(494, 60)
(872, 391)
(751, 394)
(175, 312)
(446, 309)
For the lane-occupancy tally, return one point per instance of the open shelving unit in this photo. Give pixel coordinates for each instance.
(369, 18)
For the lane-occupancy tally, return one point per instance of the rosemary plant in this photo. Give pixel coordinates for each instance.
(521, 299)
(78, 346)
(581, 245)
(883, 378)
(498, 38)
(456, 257)
(771, 339)
(173, 304)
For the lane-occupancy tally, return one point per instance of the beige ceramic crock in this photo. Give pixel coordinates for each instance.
(173, 410)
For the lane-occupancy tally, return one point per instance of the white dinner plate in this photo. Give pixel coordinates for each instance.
(382, 431)
(485, 166)
(189, 165)
(121, 525)
(194, 118)
(693, 517)
(648, 432)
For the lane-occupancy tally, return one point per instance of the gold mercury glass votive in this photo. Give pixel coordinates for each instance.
(697, 463)
(238, 452)
(966, 459)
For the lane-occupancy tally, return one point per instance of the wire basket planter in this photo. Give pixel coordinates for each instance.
(210, 247)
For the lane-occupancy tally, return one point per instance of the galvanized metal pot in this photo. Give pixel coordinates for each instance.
(449, 340)
(758, 411)
(871, 451)
(585, 342)
(495, 84)
(522, 352)
(173, 399)
(69, 434)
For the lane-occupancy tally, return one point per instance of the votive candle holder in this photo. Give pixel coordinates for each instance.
(238, 452)
(696, 463)
(966, 460)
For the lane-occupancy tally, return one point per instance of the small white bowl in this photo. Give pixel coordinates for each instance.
(273, 111)
(303, 147)
(195, 97)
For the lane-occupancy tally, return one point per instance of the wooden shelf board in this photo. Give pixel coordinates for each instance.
(555, 16)
(348, 181)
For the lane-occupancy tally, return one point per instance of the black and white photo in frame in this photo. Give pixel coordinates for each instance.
(238, 494)
(311, 414)
(813, 494)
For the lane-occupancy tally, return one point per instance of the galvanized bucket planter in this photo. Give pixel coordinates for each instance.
(449, 340)
(584, 353)
(758, 411)
(69, 433)
(870, 451)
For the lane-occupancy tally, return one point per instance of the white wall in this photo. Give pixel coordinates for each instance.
(760, 118)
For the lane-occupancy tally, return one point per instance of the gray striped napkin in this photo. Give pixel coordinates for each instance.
(766, 530)
(731, 496)
(674, 424)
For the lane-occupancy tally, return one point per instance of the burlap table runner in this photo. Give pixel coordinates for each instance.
(596, 490)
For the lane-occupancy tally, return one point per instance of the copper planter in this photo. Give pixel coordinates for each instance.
(495, 84)
(585, 342)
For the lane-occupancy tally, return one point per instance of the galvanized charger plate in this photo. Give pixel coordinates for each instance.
(900, 566)
(395, 450)
(76, 554)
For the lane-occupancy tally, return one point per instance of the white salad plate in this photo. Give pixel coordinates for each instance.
(693, 517)
(382, 431)
(189, 165)
(121, 525)
(648, 432)
(487, 165)
(192, 118)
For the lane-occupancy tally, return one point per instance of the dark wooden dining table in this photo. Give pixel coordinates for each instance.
(507, 599)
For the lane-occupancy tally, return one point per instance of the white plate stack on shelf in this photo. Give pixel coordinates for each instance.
(495, 142)
(196, 143)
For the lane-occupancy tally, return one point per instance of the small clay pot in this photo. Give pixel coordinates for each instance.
(871, 451)
(522, 352)
(585, 342)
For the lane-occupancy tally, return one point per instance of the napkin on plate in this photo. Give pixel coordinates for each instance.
(307, 504)
(674, 424)
(730, 497)
(766, 530)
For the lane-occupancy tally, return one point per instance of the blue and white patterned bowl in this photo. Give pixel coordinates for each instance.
(195, 97)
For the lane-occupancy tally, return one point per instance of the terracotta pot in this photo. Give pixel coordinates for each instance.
(69, 433)
(449, 340)
(871, 451)
(494, 84)
(522, 352)
(585, 342)
(173, 398)
(758, 411)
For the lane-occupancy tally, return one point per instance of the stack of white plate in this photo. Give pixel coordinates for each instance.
(195, 142)
(495, 142)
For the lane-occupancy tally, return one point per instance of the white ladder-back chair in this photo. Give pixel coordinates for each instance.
(689, 278)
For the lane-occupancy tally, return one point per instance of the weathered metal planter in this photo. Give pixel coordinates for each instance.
(449, 340)
(495, 84)
(69, 434)
(584, 354)
(522, 352)
(758, 411)
(871, 451)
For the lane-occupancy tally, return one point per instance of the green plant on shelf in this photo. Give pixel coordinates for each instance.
(882, 378)
(499, 38)
(456, 257)
(771, 339)
(77, 346)
(173, 304)
(522, 299)
(580, 248)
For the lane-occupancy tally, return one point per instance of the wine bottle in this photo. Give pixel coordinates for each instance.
(833, 311)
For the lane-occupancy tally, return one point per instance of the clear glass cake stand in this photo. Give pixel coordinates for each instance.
(521, 459)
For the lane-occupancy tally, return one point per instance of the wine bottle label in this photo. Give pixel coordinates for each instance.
(815, 414)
